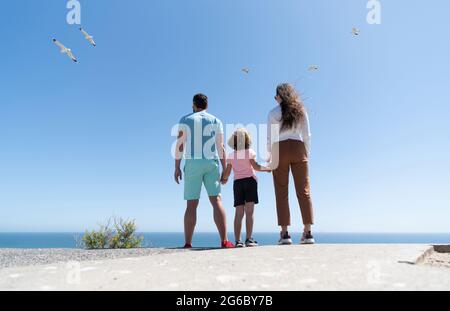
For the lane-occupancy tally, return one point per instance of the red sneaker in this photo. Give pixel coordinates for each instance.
(187, 246)
(227, 244)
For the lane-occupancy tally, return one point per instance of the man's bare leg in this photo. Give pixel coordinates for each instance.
(220, 217)
(190, 220)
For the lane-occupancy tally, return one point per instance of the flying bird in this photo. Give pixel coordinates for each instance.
(65, 50)
(246, 70)
(313, 68)
(88, 37)
(355, 31)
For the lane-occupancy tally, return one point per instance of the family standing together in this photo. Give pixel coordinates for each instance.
(201, 143)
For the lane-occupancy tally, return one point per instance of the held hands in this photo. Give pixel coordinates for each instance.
(266, 168)
(223, 179)
(269, 167)
(225, 174)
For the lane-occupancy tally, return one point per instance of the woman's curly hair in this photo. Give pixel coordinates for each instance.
(292, 108)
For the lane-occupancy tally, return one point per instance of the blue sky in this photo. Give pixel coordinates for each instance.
(82, 142)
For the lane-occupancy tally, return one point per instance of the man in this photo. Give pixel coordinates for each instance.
(200, 138)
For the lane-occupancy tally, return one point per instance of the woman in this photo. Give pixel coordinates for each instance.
(289, 146)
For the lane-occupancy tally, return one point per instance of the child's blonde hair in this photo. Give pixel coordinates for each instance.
(240, 140)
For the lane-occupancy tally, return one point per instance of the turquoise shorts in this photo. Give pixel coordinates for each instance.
(198, 172)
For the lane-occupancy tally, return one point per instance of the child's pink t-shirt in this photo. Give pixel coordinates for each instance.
(240, 160)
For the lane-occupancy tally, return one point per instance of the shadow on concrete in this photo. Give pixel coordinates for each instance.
(407, 262)
(194, 249)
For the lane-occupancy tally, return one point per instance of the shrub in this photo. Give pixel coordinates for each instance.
(122, 235)
(125, 237)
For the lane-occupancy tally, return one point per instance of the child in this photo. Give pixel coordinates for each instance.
(242, 162)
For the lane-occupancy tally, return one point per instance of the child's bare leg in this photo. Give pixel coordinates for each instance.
(238, 222)
(249, 220)
(307, 228)
(190, 220)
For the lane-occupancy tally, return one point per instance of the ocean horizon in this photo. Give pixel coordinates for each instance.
(211, 239)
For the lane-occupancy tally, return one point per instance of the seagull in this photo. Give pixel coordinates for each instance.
(65, 50)
(355, 31)
(88, 37)
(246, 70)
(313, 68)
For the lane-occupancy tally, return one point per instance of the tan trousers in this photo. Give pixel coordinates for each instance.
(292, 155)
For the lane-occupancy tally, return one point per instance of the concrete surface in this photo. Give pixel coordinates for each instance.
(316, 267)
(16, 257)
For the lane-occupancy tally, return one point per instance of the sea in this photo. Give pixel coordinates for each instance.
(204, 239)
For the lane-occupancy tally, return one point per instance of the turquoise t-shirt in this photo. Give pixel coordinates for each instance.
(202, 129)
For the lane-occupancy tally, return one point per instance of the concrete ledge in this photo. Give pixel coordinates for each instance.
(313, 267)
(421, 259)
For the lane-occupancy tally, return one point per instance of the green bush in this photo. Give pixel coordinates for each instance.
(125, 237)
(122, 235)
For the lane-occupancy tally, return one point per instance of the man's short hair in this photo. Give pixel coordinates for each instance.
(201, 101)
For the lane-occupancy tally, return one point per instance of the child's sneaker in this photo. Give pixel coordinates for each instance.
(239, 244)
(251, 243)
(227, 244)
(307, 238)
(285, 239)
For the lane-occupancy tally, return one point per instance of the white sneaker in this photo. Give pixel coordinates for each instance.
(285, 239)
(251, 243)
(307, 238)
(239, 244)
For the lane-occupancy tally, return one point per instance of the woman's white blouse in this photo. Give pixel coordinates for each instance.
(301, 132)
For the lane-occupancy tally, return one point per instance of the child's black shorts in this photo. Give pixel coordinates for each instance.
(245, 191)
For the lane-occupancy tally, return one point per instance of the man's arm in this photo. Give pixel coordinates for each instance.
(221, 150)
(178, 175)
(226, 174)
